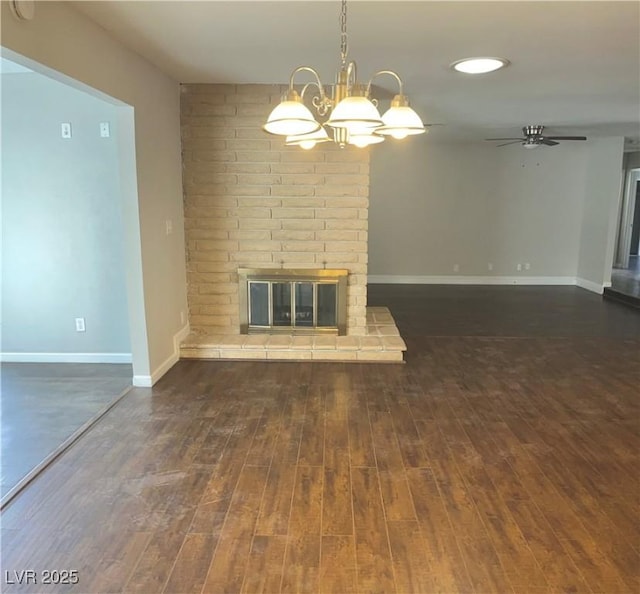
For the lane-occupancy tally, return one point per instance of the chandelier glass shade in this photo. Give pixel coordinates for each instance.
(291, 116)
(308, 141)
(355, 114)
(400, 121)
(362, 140)
(349, 116)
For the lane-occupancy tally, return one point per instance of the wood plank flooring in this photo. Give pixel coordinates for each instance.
(488, 463)
(44, 404)
(627, 280)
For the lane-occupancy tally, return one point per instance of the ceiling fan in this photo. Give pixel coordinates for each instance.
(532, 138)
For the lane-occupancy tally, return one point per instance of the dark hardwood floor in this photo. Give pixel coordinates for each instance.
(503, 457)
(44, 404)
(625, 282)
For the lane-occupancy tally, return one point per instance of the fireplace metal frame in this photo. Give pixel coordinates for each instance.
(337, 276)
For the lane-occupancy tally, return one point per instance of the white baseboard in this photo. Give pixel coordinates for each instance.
(591, 286)
(142, 381)
(470, 280)
(147, 381)
(65, 357)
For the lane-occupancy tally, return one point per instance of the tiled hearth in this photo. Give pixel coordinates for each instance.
(381, 344)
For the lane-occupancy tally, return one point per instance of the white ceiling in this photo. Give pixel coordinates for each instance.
(575, 66)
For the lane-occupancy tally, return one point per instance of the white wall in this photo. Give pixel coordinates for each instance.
(62, 237)
(433, 206)
(600, 212)
(61, 38)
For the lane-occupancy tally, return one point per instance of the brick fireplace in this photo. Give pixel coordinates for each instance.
(252, 202)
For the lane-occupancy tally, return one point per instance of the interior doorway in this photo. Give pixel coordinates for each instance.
(66, 347)
(635, 225)
(625, 275)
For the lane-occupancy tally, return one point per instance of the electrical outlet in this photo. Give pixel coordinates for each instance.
(519, 267)
(65, 130)
(456, 267)
(80, 327)
(105, 131)
(527, 266)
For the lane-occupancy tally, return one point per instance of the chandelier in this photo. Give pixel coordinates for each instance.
(353, 116)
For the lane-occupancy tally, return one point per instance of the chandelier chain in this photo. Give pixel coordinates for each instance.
(344, 48)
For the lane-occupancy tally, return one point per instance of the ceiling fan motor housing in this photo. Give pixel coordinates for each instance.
(529, 131)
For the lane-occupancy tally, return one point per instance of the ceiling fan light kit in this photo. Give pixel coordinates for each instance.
(353, 116)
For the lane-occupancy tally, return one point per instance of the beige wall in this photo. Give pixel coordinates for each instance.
(435, 205)
(251, 201)
(83, 54)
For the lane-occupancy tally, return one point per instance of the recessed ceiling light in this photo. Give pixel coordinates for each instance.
(479, 65)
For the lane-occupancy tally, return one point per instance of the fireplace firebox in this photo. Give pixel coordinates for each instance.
(293, 301)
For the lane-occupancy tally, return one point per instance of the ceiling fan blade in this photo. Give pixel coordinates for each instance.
(512, 142)
(566, 137)
(521, 139)
(548, 142)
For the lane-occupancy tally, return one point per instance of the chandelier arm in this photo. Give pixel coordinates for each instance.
(321, 103)
(306, 86)
(318, 82)
(389, 72)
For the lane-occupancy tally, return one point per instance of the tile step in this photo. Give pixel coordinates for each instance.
(381, 344)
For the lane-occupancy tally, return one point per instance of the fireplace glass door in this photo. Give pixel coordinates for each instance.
(281, 304)
(304, 305)
(293, 304)
(293, 301)
(326, 299)
(259, 300)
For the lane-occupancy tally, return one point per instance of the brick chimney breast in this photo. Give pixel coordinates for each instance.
(252, 202)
